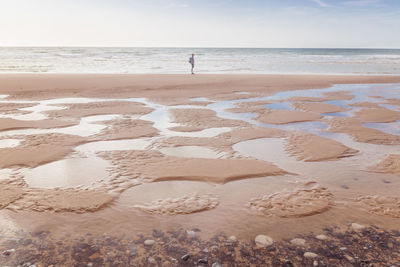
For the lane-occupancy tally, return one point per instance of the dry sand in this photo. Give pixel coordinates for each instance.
(12, 124)
(378, 115)
(199, 119)
(354, 128)
(318, 107)
(306, 200)
(309, 147)
(154, 166)
(165, 88)
(286, 116)
(391, 164)
(100, 108)
(125, 129)
(39, 149)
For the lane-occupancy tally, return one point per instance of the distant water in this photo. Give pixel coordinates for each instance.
(208, 60)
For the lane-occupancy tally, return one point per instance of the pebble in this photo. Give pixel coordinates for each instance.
(321, 237)
(216, 264)
(357, 227)
(315, 263)
(263, 241)
(190, 233)
(149, 242)
(151, 260)
(310, 255)
(203, 261)
(343, 248)
(232, 239)
(349, 258)
(298, 242)
(185, 257)
(8, 252)
(90, 264)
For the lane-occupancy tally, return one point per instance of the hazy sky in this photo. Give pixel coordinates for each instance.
(201, 23)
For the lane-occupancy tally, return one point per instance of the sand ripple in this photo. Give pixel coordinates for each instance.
(10, 192)
(391, 164)
(381, 205)
(182, 205)
(16, 196)
(307, 200)
(309, 147)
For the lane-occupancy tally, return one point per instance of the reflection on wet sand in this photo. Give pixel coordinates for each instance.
(288, 163)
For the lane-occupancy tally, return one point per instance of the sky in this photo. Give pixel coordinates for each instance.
(201, 23)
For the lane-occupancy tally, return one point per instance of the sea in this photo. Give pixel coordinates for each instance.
(207, 60)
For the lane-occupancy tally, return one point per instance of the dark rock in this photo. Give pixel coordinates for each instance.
(185, 257)
(288, 263)
(8, 252)
(203, 261)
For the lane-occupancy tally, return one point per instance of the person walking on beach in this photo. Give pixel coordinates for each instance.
(191, 61)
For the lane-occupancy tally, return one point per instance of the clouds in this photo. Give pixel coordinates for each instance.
(321, 3)
(210, 23)
(358, 3)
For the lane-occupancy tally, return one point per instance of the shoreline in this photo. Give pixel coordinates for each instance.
(156, 86)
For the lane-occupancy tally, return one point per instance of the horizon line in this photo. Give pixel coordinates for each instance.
(201, 47)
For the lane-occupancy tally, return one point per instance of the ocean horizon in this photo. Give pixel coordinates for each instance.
(174, 60)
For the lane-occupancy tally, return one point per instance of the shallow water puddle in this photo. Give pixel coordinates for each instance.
(86, 127)
(37, 111)
(336, 114)
(199, 99)
(71, 172)
(191, 152)
(389, 127)
(4, 143)
(345, 171)
(280, 106)
(360, 93)
(131, 144)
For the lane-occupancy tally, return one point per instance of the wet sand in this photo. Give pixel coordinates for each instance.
(123, 155)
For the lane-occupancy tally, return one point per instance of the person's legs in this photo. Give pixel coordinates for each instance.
(192, 68)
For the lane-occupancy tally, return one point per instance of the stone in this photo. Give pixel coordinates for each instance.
(263, 241)
(298, 242)
(216, 264)
(151, 260)
(90, 264)
(190, 233)
(349, 258)
(315, 263)
(149, 242)
(132, 250)
(202, 261)
(185, 257)
(357, 227)
(232, 239)
(8, 252)
(310, 255)
(321, 237)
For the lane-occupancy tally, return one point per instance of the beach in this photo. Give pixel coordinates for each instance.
(171, 163)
